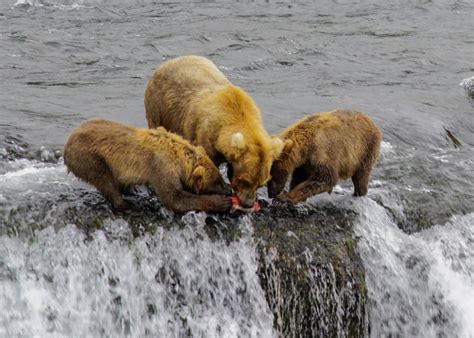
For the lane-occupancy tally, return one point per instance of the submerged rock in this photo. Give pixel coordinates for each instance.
(468, 85)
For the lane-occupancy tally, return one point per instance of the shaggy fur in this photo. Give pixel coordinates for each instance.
(112, 156)
(322, 149)
(190, 96)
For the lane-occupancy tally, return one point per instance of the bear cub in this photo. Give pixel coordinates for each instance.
(112, 157)
(322, 149)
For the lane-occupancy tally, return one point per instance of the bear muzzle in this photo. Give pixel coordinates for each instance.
(246, 198)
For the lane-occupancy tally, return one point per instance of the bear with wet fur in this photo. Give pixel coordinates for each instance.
(112, 157)
(188, 95)
(322, 149)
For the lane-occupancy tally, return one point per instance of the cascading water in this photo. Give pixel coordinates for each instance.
(420, 285)
(60, 277)
(174, 281)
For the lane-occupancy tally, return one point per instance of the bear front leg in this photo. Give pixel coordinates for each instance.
(174, 197)
(299, 175)
(230, 172)
(323, 181)
(303, 191)
(184, 201)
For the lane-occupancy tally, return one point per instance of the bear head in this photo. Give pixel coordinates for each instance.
(206, 178)
(281, 170)
(251, 160)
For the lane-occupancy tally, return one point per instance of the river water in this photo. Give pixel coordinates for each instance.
(401, 62)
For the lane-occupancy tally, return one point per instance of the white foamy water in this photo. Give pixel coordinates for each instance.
(64, 4)
(172, 283)
(421, 285)
(386, 147)
(468, 84)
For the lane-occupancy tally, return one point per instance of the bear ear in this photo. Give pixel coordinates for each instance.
(277, 147)
(288, 145)
(237, 140)
(197, 177)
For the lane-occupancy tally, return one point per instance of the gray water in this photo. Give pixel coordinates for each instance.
(401, 62)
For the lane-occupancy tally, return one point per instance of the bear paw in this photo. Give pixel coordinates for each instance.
(284, 200)
(219, 203)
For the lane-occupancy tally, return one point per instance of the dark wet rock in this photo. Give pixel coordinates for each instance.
(450, 136)
(13, 148)
(468, 85)
(313, 277)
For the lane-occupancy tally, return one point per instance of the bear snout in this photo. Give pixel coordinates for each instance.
(246, 198)
(227, 190)
(247, 204)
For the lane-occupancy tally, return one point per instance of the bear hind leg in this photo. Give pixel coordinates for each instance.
(112, 193)
(361, 182)
(361, 177)
(100, 176)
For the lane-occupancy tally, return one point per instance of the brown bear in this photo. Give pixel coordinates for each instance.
(323, 148)
(112, 157)
(188, 95)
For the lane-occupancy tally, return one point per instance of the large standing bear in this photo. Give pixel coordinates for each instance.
(188, 95)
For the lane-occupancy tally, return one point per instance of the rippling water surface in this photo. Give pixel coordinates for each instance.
(408, 64)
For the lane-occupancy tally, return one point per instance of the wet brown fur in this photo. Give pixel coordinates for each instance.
(322, 149)
(190, 96)
(112, 156)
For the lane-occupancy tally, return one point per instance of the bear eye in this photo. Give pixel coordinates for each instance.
(243, 183)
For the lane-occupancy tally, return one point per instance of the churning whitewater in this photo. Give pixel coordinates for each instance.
(421, 284)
